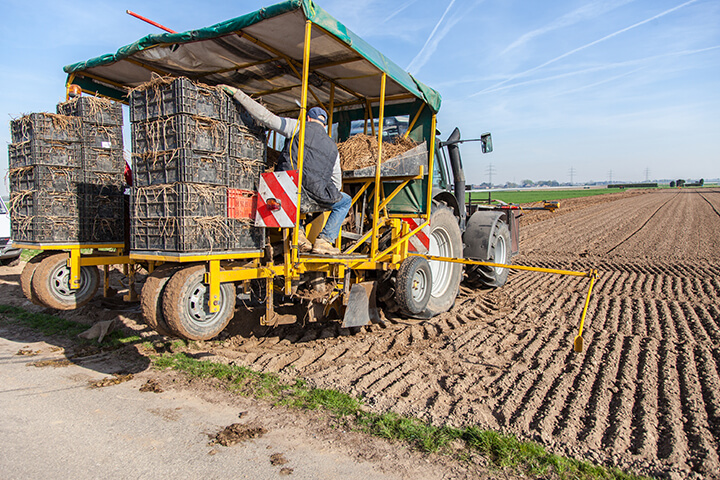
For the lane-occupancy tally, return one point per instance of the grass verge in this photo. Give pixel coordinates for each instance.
(502, 451)
(531, 196)
(52, 325)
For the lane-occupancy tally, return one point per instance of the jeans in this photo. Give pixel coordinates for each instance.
(338, 213)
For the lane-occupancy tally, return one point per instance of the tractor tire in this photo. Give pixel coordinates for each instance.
(27, 275)
(185, 305)
(413, 285)
(445, 241)
(51, 283)
(151, 298)
(499, 252)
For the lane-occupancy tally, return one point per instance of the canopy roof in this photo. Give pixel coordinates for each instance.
(261, 53)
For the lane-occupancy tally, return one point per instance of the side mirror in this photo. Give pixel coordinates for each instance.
(486, 140)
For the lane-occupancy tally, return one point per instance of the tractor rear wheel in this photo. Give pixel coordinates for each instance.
(445, 241)
(498, 252)
(185, 305)
(151, 298)
(27, 275)
(51, 283)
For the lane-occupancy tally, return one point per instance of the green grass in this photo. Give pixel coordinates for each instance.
(52, 325)
(502, 451)
(532, 196)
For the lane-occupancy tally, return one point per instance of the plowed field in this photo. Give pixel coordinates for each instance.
(645, 393)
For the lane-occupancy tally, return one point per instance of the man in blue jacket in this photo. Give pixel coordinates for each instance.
(322, 175)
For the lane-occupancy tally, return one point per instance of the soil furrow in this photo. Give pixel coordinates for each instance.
(617, 436)
(644, 434)
(641, 226)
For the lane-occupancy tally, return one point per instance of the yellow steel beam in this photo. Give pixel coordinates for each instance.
(104, 260)
(213, 281)
(201, 257)
(147, 67)
(378, 185)
(414, 120)
(467, 261)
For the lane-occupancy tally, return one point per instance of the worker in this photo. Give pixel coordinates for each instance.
(322, 175)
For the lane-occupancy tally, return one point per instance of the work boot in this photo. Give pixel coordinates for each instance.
(324, 247)
(304, 245)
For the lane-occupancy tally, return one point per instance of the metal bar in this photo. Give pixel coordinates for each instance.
(154, 24)
(147, 67)
(74, 264)
(301, 141)
(213, 281)
(378, 184)
(332, 106)
(104, 260)
(414, 120)
(466, 261)
(194, 258)
(360, 192)
(393, 194)
(579, 339)
(431, 164)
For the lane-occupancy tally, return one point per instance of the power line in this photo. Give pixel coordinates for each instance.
(490, 173)
(572, 176)
(610, 175)
(647, 174)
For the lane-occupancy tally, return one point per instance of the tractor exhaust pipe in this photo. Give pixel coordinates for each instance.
(452, 144)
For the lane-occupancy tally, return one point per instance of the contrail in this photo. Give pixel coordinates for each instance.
(567, 54)
(422, 57)
(399, 10)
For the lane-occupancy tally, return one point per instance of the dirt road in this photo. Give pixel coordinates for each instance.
(644, 395)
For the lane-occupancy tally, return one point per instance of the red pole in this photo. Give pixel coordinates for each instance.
(154, 24)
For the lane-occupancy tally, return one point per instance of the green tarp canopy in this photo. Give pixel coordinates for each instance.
(261, 53)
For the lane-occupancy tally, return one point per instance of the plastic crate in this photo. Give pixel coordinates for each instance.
(45, 126)
(243, 143)
(183, 165)
(95, 110)
(46, 230)
(106, 137)
(103, 230)
(244, 175)
(180, 200)
(43, 152)
(180, 131)
(103, 160)
(183, 235)
(245, 236)
(113, 181)
(241, 204)
(48, 178)
(181, 96)
(45, 204)
(237, 115)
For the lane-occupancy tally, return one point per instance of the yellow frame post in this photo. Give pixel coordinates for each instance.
(330, 111)
(378, 185)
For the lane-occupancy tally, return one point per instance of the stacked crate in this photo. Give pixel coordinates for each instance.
(44, 175)
(102, 211)
(181, 134)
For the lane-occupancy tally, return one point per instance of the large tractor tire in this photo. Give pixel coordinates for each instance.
(151, 298)
(413, 285)
(498, 252)
(445, 241)
(185, 305)
(27, 275)
(51, 283)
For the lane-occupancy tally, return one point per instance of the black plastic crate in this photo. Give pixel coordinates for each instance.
(244, 174)
(47, 178)
(45, 126)
(103, 205)
(46, 229)
(45, 204)
(103, 160)
(183, 165)
(43, 152)
(106, 137)
(237, 115)
(103, 230)
(94, 110)
(180, 96)
(114, 182)
(184, 235)
(243, 235)
(180, 200)
(243, 143)
(180, 131)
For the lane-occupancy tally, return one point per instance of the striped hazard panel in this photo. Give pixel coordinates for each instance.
(277, 199)
(420, 242)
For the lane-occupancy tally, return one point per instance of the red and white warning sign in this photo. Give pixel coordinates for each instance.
(277, 199)
(420, 242)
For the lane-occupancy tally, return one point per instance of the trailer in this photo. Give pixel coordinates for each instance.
(411, 238)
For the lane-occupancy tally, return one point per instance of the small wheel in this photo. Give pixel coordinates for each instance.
(152, 295)
(499, 252)
(51, 283)
(27, 275)
(413, 285)
(185, 305)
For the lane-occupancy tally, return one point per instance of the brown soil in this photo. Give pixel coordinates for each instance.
(236, 433)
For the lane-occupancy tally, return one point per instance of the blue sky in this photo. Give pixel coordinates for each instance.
(600, 86)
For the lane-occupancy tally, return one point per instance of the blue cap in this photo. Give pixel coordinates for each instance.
(318, 114)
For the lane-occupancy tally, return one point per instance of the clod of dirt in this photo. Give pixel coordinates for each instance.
(51, 363)
(286, 471)
(109, 381)
(237, 433)
(151, 386)
(278, 459)
(27, 352)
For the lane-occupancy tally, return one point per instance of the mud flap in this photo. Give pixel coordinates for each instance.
(361, 308)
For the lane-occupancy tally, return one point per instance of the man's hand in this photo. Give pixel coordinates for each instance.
(228, 89)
